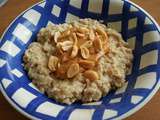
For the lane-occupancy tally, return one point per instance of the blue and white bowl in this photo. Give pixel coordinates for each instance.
(137, 27)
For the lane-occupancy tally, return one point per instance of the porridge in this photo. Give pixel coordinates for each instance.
(78, 61)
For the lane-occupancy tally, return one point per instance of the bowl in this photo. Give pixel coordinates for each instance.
(137, 27)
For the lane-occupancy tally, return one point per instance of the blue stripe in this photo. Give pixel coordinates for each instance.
(65, 113)
(125, 20)
(137, 57)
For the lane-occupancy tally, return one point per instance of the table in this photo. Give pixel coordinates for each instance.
(13, 7)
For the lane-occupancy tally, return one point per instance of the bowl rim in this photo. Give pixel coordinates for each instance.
(127, 114)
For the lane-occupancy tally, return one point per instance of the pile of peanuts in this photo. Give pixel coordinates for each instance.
(78, 50)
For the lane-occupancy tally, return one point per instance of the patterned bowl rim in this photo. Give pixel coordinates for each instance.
(130, 112)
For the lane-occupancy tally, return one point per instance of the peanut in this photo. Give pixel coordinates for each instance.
(53, 63)
(82, 30)
(91, 35)
(97, 44)
(56, 36)
(84, 52)
(80, 35)
(91, 75)
(87, 44)
(101, 31)
(87, 64)
(75, 38)
(73, 70)
(74, 51)
(66, 45)
(65, 34)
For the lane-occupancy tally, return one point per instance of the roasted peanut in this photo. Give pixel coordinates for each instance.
(84, 52)
(56, 36)
(53, 63)
(97, 44)
(65, 34)
(82, 30)
(66, 45)
(80, 35)
(91, 75)
(73, 70)
(74, 51)
(87, 64)
(87, 44)
(91, 35)
(75, 38)
(102, 32)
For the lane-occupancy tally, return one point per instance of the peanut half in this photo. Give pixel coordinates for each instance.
(102, 32)
(87, 64)
(82, 30)
(84, 52)
(66, 45)
(87, 44)
(65, 34)
(74, 51)
(80, 35)
(53, 63)
(56, 36)
(91, 75)
(75, 38)
(73, 70)
(91, 35)
(97, 44)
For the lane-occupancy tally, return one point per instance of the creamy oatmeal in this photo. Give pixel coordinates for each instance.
(78, 61)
